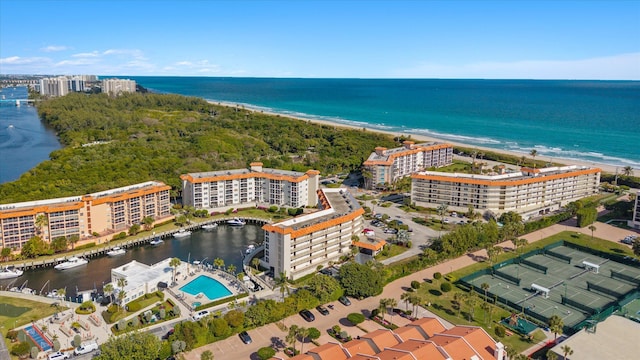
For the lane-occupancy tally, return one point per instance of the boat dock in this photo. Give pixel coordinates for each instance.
(102, 249)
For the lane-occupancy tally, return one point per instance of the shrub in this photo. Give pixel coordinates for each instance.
(56, 344)
(445, 287)
(162, 313)
(77, 340)
(12, 335)
(375, 312)
(500, 331)
(355, 318)
(437, 276)
(34, 352)
(122, 325)
(134, 306)
(266, 353)
(273, 208)
(112, 309)
(20, 349)
(415, 284)
(314, 333)
(135, 322)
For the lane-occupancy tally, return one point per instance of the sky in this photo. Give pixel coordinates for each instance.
(514, 39)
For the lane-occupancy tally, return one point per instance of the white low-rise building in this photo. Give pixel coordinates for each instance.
(141, 278)
(635, 221)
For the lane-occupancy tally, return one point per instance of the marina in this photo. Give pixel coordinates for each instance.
(225, 242)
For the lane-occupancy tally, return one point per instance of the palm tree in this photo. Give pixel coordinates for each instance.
(174, 263)
(282, 282)
(148, 222)
(533, 154)
(486, 307)
(592, 228)
(472, 301)
(522, 161)
(392, 303)
(555, 325)
(73, 239)
(405, 297)
(415, 300)
(511, 352)
(292, 336)
(493, 252)
(218, 263)
(627, 171)
(551, 355)
(459, 297)
(62, 293)
(232, 269)
(108, 290)
(122, 283)
(566, 350)
(255, 262)
(485, 287)
(382, 307)
(302, 333)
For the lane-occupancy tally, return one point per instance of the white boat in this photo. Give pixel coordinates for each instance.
(71, 263)
(6, 273)
(250, 248)
(156, 241)
(182, 233)
(236, 222)
(210, 226)
(54, 295)
(116, 251)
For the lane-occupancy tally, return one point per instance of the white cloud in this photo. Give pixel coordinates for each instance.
(617, 67)
(17, 60)
(92, 54)
(53, 48)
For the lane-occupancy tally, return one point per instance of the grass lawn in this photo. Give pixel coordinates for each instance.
(391, 252)
(16, 312)
(443, 305)
(457, 166)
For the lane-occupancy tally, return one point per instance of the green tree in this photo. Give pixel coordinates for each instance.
(592, 228)
(218, 263)
(255, 262)
(234, 318)
(132, 346)
(41, 222)
(566, 350)
(533, 154)
(134, 229)
(208, 355)
(122, 283)
(174, 263)
(5, 253)
(314, 334)
(357, 318)
(555, 325)
(59, 244)
(292, 336)
(586, 216)
(493, 252)
(282, 283)
(636, 246)
(231, 269)
(324, 287)
(627, 171)
(108, 290)
(73, 239)
(266, 353)
(360, 281)
(34, 247)
(302, 334)
(148, 222)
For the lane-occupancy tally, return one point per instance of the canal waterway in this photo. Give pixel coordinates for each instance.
(228, 243)
(25, 141)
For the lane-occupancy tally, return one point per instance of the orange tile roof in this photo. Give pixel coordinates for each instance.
(421, 349)
(246, 175)
(302, 357)
(6, 214)
(415, 150)
(455, 346)
(126, 195)
(477, 337)
(315, 227)
(364, 357)
(257, 163)
(329, 351)
(529, 180)
(359, 346)
(375, 247)
(409, 332)
(393, 354)
(383, 338)
(430, 326)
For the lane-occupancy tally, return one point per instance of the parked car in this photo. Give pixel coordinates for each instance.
(86, 348)
(344, 300)
(307, 315)
(200, 315)
(244, 336)
(322, 310)
(58, 356)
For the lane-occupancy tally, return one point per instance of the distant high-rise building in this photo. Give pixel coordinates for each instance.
(58, 86)
(118, 86)
(76, 83)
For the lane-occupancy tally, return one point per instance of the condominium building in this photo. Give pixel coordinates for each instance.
(529, 192)
(385, 166)
(425, 338)
(232, 188)
(635, 221)
(118, 86)
(101, 213)
(54, 87)
(296, 247)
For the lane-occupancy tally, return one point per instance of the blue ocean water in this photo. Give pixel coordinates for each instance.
(594, 121)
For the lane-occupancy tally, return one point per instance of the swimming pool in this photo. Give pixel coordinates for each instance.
(211, 288)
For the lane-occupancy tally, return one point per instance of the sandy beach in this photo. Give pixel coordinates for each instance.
(421, 138)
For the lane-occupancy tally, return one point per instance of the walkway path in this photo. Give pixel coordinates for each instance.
(233, 348)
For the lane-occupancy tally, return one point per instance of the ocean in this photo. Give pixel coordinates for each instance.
(592, 121)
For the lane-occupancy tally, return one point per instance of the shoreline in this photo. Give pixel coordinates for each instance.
(418, 138)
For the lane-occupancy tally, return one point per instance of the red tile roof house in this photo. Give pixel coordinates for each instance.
(425, 338)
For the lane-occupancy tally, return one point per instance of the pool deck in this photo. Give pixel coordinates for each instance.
(231, 283)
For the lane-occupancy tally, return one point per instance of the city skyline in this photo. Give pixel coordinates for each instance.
(350, 39)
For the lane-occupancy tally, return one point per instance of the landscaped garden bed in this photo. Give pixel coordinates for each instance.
(159, 313)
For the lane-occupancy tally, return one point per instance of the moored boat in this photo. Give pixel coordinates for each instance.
(250, 248)
(7, 273)
(116, 251)
(210, 226)
(156, 241)
(236, 222)
(182, 233)
(71, 263)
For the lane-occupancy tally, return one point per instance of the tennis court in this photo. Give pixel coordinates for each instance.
(564, 281)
